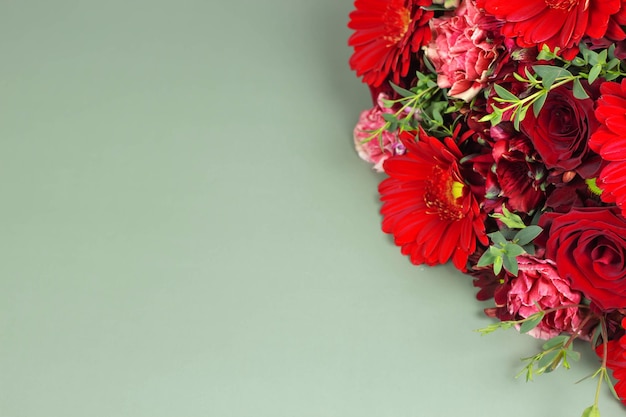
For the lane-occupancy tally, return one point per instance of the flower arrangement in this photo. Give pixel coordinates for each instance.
(501, 127)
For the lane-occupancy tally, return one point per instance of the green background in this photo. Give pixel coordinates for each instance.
(186, 230)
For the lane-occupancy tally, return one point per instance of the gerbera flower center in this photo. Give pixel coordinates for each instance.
(562, 4)
(396, 21)
(442, 195)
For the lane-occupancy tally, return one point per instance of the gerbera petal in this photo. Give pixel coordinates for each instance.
(422, 207)
(387, 34)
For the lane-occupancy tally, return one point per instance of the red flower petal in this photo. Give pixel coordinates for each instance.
(428, 208)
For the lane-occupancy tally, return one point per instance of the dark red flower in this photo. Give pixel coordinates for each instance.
(610, 142)
(588, 245)
(427, 206)
(555, 23)
(560, 132)
(387, 34)
(519, 174)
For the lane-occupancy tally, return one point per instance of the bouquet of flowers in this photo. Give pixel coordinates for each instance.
(501, 127)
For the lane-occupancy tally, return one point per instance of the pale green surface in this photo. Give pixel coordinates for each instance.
(187, 231)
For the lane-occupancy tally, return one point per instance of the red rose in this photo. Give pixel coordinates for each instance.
(562, 129)
(588, 245)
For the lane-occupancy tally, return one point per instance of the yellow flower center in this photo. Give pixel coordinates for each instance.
(443, 194)
(396, 21)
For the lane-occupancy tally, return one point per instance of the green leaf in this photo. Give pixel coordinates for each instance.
(556, 341)
(497, 265)
(608, 381)
(549, 74)
(550, 361)
(527, 234)
(573, 355)
(578, 90)
(403, 92)
(594, 73)
(522, 114)
(387, 103)
(611, 76)
(512, 249)
(591, 411)
(389, 118)
(546, 54)
(510, 264)
(497, 238)
(538, 104)
(511, 220)
(530, 249)
(505, 94)
(531, 323)
(486, 259)
(613, 63)
(429, 65)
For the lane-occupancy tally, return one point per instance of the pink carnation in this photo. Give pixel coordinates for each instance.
(465, 50)
(538, 284)
(376, 150)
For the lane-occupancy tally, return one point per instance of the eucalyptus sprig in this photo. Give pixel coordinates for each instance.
(526, 324)
(545, 79)
(589, 65)
(558, 351)
(508, 243)
(555, 352)
(425, 105)
(409, 103)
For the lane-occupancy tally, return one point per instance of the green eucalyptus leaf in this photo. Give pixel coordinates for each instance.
(538, 104)
(556, 341)
(594, 73)
(497, 265)
(608, 381)
(516, 121)
(402, 91)
(590, 56)
(389, 118)
(611, 76)
(530, 248)
(512, 249)
(527, 234)
(579, 90)
(497, 237)
(549, 74)
(613, 63)
(511, 220)
(505, 94)
(486, 259)
(572, 354)
(510, 264)
(531, 323)
(550, 361)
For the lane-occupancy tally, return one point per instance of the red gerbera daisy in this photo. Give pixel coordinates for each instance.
(427, 206)
(609, 141)
(555, 23)
(387, 33)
